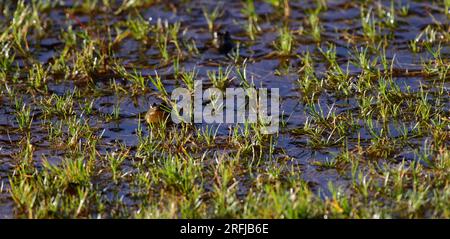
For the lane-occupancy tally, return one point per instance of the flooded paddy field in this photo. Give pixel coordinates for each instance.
(364, 126)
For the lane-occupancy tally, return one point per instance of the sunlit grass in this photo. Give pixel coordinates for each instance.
(364, 134)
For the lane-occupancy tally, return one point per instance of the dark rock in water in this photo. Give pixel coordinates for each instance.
(223, 42)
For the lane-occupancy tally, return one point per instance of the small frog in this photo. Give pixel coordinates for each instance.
(157, 114)
(223, 42)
